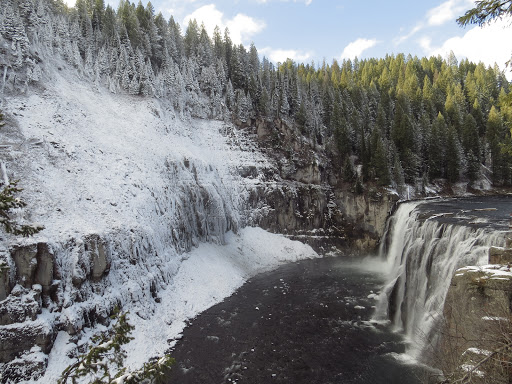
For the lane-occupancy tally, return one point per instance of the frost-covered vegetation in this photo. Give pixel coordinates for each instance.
(403, 119)
(145, 206)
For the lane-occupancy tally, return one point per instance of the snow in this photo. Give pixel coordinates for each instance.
(163, 193)
(478, 351)
(210, 273)
(471, 368)
(493, 271)
(495, 318)
(105, 154)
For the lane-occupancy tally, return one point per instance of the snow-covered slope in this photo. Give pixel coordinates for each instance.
(129, 194)
(109, 155)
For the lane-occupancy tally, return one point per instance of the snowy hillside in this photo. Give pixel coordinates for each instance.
(87, 151)
(128, 193)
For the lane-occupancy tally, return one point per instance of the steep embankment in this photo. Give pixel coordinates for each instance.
(130, 194)
(125, 190)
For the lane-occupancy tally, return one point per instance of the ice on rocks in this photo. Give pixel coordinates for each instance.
(140, 208)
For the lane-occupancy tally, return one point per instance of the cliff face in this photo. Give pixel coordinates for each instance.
(126, 190)
(476, 338)
(305, 197)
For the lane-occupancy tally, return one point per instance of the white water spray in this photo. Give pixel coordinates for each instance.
(422, 255)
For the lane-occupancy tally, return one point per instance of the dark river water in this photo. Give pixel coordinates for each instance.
(306, 322)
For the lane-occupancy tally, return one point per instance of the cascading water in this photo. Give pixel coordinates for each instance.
(422, 252)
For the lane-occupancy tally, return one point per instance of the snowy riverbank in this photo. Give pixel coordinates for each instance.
(206, 276)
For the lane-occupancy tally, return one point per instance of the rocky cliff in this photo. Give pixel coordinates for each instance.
(126, 189)
(305, 197)
(476, 342)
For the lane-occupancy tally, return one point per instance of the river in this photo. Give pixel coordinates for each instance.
(311, 321)
(306, 322)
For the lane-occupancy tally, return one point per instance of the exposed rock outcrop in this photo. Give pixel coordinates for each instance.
(45, 267)
(18, 339)
(21, 305)
(25, 260)
(304, 196)
(478, 323)
(499, 255)
(367, 215)
(34, 264)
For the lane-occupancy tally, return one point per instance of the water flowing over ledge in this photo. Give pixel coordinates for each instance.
(422, 251)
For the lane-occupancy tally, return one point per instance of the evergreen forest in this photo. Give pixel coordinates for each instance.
(396, 120)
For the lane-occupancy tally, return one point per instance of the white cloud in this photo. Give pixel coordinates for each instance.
(175, 8)
(280, 55)
(401, 39)
(209, 15)
(241, 27)
(437, 16)
(490, 44)
(426, 44)
(447, 11)
(357, 47)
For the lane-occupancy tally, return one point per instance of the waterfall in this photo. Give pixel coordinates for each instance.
(421, 254)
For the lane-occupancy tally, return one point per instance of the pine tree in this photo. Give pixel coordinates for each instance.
(218, 44)
(452, 160)
(348, 171)
(478, 115)
(129, 20)
(494, 135)
(107, 354)
(402, 130)
(486, 11)
(264, 105)
(436, 148)
(398, 174)
(236, 69)
(109, 31)
(241, 107)
(379, 160)
(471, 146)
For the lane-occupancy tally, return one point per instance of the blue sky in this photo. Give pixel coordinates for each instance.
(314, 30)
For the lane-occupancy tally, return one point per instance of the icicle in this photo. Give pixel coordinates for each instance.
(5, 178)
(3, 80)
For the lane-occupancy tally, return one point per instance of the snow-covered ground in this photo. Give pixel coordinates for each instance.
(164, 195)
(91, 161)
(210, 273)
